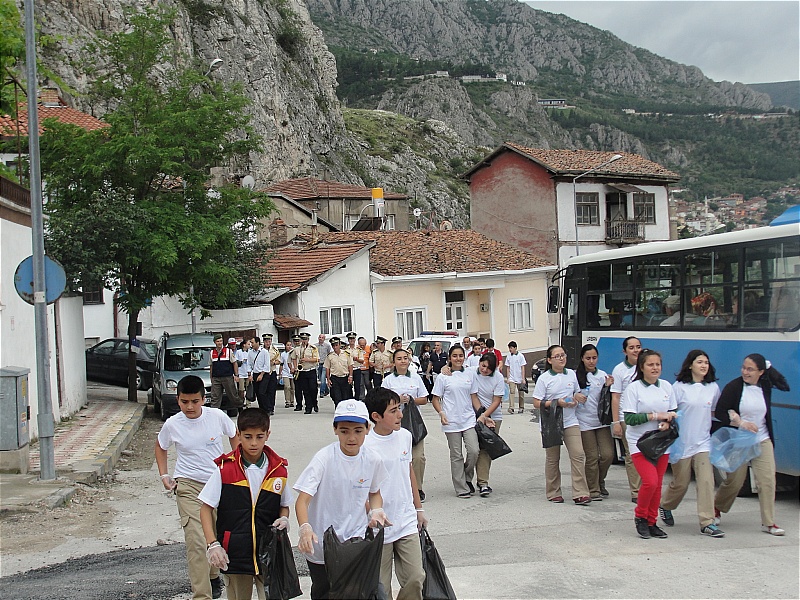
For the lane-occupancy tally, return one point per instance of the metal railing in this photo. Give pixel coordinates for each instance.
(14, 192)
(624, 231)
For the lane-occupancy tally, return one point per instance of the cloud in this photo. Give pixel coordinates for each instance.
(748, 41)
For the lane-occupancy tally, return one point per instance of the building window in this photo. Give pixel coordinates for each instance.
(93, 294)
(389, 224)
(587, 207)
(410, 322)
(520, 315)
(644, 207)
(336, 320)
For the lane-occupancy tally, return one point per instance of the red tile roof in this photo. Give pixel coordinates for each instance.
(296, 265)
(575, 162)
(290, 322)
(64, 114)
(398, 253)
(308, 188)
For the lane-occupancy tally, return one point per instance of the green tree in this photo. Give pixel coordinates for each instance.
(129, 205)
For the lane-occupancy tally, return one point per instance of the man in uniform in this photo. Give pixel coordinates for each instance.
(287, 375)
(397, 343)
(356, 353)
(224, 373)
(271, 377)
(306, 360)
(339, 372)
(258, 361)
(293, 361)
(381, 361)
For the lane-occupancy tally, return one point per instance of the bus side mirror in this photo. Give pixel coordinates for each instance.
(552, 299)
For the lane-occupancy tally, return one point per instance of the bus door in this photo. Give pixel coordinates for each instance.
(570, 324)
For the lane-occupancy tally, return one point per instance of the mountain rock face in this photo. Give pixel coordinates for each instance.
(526, 44)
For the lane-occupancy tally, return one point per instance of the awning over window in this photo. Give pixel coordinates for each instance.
(290, 322)
(627, 188)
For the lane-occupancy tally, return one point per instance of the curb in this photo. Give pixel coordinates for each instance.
(89, 471)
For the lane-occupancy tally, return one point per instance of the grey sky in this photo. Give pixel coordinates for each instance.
(752, 41)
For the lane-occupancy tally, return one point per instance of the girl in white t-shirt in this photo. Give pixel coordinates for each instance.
(558, 386)
(487, 392)
(695, 393)
(596, 437)
(451, 399)
(647, 405)
(410, 387)
(623, 375)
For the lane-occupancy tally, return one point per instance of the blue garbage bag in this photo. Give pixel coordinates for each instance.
(731, 448)
(676, 450)
(506, 393)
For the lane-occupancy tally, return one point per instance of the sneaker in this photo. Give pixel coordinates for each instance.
(712, 530)
(604, 491)
(464, 495)
(635, 500)
(216, 587)
(717, 516)
(583, 501)
(535, 419)
(421, 496)
(485, 491)
(772, 529)
(557, 499)
(657, 532)
(666, 516)
(470, 487)
(597, 498)
(642, 528)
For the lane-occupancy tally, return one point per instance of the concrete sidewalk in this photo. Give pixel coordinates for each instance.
(86, 448)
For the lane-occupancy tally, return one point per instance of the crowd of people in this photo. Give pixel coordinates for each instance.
(374, 473)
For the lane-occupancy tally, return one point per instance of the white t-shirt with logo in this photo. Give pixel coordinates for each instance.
(555, 386)
(623, 375)
(753, 408)
(340, 486)
(487, 387)
(516, 367)
(454, 393)
(696, 403)
(587, 412)
(398, 499)
(197, 441)
(640, 397)
(410, 384)
(255, 477)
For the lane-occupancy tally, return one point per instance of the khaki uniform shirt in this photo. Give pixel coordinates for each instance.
(305, 352)
(338, 365)
(382, 361)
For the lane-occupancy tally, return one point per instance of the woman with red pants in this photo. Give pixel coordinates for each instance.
(647, 404)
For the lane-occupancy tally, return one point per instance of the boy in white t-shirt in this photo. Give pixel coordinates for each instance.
(197, 433)
(334, 489)
(515, 373)
(400, 495)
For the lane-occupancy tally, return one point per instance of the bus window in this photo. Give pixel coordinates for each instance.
(707, 308)
(772, 280)
(571, 322)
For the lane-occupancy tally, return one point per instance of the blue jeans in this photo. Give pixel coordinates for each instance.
(323, 385)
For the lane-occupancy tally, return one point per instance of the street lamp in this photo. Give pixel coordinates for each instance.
(213, 66)
(575, 195)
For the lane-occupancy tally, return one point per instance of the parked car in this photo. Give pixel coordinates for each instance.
(108, 361)
(178, 356)
(447, 338)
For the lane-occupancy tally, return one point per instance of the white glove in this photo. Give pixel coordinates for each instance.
(217, 557)
(378, 517)
(307, 539)
(282, 523)
(422, 520)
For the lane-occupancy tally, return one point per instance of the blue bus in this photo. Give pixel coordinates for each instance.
(729, 294)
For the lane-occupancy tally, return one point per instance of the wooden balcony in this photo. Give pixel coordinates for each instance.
(624, 231)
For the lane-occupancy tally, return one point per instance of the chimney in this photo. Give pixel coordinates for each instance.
(314, 232)
(278, 232)
(48, 96)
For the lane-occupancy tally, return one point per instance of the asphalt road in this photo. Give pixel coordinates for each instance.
(514, 544)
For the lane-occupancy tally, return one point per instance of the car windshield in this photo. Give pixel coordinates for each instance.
(187, 359)
(416, 346)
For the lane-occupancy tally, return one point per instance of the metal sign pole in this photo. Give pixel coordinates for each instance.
(45, 417)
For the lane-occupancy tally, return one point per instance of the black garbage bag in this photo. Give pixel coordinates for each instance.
(437, 585)
(604, 406)
(654, 444)
(354, 565)
(488, 440)
(276, 563)
(551, 421)
(412, 421)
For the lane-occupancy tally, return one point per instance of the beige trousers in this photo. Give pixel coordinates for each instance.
(577, 460)
(764, 471)
(240, 587)
(598, 445)
(288, 390)
(200, 572)
(485, 462)
(418, 462)
(634, 481)
(407, 555)
(515, 393)
(462, 469)
(704, 481)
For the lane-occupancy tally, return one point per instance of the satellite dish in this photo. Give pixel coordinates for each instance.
(248, 182)
(445, 226)
(417, 212)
